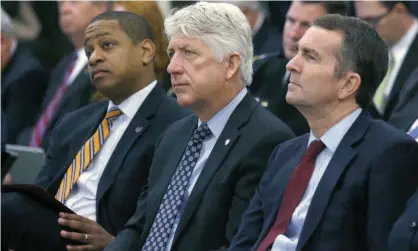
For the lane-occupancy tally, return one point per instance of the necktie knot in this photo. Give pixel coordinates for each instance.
(201, 133)
(315, 148)
(113, 113)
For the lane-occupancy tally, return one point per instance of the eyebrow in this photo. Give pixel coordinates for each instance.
(97, 36)
(309, 51)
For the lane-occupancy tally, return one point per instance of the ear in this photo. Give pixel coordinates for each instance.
(350, 85)
(234, 62)
(147, 51)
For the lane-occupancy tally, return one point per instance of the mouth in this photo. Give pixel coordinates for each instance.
(98, 73)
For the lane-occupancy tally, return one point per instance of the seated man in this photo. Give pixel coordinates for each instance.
(342, 186)
(100, 155)
(23, 82)
(207, 165)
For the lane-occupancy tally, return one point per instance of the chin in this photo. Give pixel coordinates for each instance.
(184, 100)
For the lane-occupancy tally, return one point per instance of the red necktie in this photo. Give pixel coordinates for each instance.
(293, 193)
(42, 124)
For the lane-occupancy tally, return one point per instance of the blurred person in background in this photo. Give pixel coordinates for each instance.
(23, 81)
(69, 85)
(405, 114)
(38, 26)
(399, 28)
(270, 75)
(265, 35)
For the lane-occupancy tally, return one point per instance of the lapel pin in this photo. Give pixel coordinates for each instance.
(138, 129)
(227, 142)
(264, 103)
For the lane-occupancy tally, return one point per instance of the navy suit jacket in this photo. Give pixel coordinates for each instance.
(127, 170)
(23, 85)
(361, 194)
(404, 234)
(224, 188)
(77, 95)
(406, 111)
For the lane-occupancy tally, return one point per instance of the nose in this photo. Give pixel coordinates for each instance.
(64, 7)
(175, 66)
(296, 32)
(95, 58)
(294, 65)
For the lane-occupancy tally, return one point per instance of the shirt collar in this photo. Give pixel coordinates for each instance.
(217, 123)
(405, 42)
(335, 134)
(130, 106)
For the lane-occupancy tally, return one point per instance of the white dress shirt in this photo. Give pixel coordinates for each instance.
(82, 199)
(332, 138)
(414, 125)
(79, 65)
(399, 51)
(216, 125)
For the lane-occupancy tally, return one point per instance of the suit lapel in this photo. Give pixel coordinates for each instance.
(339, 162)
(408, 66)
(230, 133)
(78, 139)
(166, 173)
(133, 132)
(275, 192)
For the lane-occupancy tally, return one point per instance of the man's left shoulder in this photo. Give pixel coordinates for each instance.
(265, 122)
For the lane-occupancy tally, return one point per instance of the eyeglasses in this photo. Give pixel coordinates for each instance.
(373, 21)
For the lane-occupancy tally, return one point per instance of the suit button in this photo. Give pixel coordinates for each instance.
(413, 225)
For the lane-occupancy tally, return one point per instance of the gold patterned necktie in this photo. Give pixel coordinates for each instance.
(86, 155)
(380, 99)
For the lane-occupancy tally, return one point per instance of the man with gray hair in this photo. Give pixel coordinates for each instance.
(23, 81)
(206, 166)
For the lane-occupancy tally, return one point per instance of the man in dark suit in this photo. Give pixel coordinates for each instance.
(100, 155)
(69, 86)
(270, 76)
(196, 195)
(342, 186)
(405, 114)
(399, 28)
(404, 234)
(23, 82)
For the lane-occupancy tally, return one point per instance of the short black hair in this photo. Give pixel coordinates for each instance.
(135, 26)
(331, 7)
(362, 51)
(390, 4)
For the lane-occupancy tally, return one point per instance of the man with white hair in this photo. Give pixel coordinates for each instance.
(206, 166)
(23, 81)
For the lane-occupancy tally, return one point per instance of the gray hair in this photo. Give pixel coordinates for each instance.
(7, 28)
(220, 26)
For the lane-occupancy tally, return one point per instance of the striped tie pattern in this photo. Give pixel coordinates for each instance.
(42, 124)
(86, 155)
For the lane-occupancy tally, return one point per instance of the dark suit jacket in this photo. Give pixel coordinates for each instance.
(77, 95)
(270, 89)
(361, 194)
(213, 211)
(267, 39)
(406, 111)
(404, 234)
(408, 65)
(127, 170)
(23, 85)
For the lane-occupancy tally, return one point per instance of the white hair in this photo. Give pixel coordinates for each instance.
(220, 26)
(6, 24)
